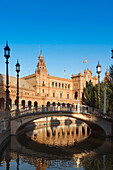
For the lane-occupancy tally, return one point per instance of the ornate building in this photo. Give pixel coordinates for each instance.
(107, 76)
(42, 89)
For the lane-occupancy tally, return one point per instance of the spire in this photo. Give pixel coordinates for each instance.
(41, 56)
(6, 43)
(41, 52)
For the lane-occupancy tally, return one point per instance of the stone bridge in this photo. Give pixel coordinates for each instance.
(99, 124)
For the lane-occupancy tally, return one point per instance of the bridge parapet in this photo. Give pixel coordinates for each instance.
(74, 108)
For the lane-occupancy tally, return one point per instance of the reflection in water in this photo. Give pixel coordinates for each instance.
(65, 146)
(60, 135)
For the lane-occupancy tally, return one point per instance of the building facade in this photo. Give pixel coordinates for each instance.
(42, 89)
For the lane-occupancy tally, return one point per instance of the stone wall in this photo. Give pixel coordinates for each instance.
(4, 132)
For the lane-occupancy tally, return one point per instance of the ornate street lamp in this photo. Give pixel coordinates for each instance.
(7, 56)
(17, 70)
(98, 67)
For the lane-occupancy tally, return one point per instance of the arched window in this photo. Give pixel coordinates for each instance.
(54, 103)
(68, 86)
(35, 104)
(56, 84)
(53, 94)
(63, 104)
(52, 84)
(48, 103)
(67, 95)
(76, 95)
(58, 104)
(29, 104)
(23, 103)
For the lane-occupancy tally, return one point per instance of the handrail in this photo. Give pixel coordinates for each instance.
(73, 108)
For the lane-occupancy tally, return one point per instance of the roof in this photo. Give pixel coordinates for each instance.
(13, 82)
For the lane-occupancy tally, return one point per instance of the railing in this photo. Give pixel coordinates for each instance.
(76, 108)
(28, 110)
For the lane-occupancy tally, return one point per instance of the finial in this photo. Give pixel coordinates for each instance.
(6, 43)
(41, 51)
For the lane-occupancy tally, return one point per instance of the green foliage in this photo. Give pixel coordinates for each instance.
(111, 72)
(90, 95)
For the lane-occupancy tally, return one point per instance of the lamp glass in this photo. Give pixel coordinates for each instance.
(99, 69)
(6, 52)
(17, 68)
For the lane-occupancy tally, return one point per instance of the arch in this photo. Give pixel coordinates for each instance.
(48, 104)
(23, 103)
(53, 103)
(35, 104)
(95, 128)
(16, 102)
(29, 104)
(83, 131)
(10, 104)
(76, 95)
(56, 84)
(2, 104)
(63, 104)
(59, 85)
(58, 104)
(52, 84)
(68, 104)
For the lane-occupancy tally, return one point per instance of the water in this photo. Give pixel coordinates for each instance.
(57, 146)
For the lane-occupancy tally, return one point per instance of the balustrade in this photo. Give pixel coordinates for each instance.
(72, 108)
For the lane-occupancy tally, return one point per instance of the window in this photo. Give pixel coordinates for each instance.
(76, 95)
(56, 84)
(52, 84)
(59, 85)
(62, 85)
(68, 86)
(67, 95)
(43, 91)
(60, 95)
(65, 86)
(53, 94)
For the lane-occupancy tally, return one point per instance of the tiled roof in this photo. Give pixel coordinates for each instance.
(13, 82)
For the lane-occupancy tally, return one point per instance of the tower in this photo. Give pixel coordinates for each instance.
(41, 78)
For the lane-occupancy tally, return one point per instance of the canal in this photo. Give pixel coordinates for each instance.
(57, 145)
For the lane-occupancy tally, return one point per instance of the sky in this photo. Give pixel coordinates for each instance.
(68, 31)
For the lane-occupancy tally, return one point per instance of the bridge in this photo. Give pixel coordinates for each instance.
(99, 124)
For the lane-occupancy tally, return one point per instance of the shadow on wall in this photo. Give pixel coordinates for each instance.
(3, 94)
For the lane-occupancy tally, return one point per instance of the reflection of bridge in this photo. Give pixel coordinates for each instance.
(61, 135)
(99, 124)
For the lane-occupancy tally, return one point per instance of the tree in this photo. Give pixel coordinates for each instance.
(111, 72)
(91, 93)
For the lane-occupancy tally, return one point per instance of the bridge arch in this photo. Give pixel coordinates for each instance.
(26, 119)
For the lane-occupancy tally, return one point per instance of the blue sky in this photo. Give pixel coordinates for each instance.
(69, 31)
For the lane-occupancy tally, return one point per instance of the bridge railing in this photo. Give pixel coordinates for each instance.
(28, 110)
(73, 108)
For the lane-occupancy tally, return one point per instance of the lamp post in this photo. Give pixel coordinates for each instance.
(7, 56)
(17, 70)
(98, 67)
